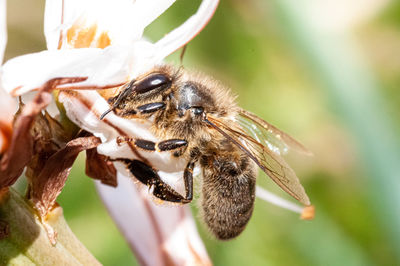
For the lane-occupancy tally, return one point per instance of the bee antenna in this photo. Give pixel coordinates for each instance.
(126, 90)
(106, 113)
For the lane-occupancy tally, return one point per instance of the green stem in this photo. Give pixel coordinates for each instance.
(27, 241)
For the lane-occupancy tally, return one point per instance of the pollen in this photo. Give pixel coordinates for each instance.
(103, 41)
(83, 37)
(308, 213)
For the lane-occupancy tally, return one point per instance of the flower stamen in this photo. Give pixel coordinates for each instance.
(306, 212)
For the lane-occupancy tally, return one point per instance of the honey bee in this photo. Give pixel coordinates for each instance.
(198, 120)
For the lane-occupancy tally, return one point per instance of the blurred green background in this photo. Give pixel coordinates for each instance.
(329, 75)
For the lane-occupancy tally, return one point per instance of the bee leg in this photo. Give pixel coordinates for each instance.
(188, 179)
(171, 144)
(150, 177)
(166, 145)
(164, 192)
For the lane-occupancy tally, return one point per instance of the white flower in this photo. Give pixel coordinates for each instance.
(123, 53)
(112, 52)
(127, 55)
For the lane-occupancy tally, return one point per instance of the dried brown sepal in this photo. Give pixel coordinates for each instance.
(48, 137)
(46, 186)
(57, 131)
(99, 167)
(21, 147)
(20, 150)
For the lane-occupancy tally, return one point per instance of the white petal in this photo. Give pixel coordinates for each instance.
(112, 66)
(187, 31)
(3, 29)
(159, 235)
(103, 67)
(52, 22)
(122, 20)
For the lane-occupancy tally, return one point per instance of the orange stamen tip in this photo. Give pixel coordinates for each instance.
(308, 213)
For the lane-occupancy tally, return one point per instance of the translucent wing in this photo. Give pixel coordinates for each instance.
(265, 133)
(270, 162)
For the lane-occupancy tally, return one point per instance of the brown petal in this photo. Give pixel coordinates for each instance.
(48, 184)
(20, 150)
(98, 167)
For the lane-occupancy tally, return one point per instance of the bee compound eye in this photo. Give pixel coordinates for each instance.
(198, 110)
(151, 82)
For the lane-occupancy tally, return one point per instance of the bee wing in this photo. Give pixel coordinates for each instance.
(265, 133)
(270, 162)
